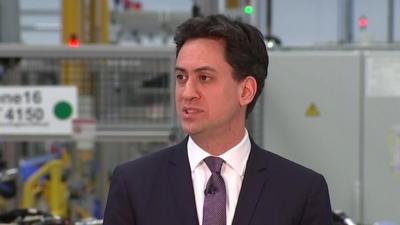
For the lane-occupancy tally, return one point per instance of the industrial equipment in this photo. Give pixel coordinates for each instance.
(45, 183)
(30, 217)
(8, 181)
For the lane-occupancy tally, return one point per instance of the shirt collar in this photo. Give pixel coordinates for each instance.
(236, 157)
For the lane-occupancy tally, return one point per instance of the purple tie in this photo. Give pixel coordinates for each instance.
(214, 210)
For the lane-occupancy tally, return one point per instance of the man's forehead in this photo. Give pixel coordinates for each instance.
(204, 40)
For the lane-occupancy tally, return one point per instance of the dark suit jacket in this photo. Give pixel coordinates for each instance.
(158, 190)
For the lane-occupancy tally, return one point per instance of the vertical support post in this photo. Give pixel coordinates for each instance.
(71, 19)
(71, 22)
(9, 21)
(390, 22)
(104, 22)
(346, 21)
(269, 17)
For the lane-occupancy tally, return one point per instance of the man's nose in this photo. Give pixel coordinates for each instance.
(190, 90)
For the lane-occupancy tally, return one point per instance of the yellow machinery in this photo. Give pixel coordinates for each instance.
(47, 184)
(87, 22)
(53, 189)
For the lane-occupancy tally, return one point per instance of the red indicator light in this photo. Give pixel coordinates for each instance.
(137, 6)
(133, 5)
(73, 41)
(363, 22)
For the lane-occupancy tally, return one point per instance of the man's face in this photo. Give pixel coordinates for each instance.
(207, 96)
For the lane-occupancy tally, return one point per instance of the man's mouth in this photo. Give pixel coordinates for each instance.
(190, 110)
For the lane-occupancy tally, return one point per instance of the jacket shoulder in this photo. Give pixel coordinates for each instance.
(147, 163)
(289, 182)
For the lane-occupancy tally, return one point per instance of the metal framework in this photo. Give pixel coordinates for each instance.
(127, 90)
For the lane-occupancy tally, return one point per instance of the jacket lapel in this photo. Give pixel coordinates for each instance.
(180, 181)
(254, 180)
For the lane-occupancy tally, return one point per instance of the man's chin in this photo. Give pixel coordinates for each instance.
(190, 130)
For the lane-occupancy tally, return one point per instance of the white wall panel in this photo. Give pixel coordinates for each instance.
(328, 143)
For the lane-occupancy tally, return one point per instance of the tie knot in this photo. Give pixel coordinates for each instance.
(214, 163)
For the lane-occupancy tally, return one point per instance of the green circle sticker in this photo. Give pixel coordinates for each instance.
(248, 9)
(63, 110)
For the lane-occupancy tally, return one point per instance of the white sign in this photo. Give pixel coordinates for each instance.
(84, 133)
(37, 110)
(383, 77)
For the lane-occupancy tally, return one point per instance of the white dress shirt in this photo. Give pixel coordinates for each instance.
(232, 171)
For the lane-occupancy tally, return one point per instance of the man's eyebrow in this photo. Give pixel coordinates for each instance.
(200, 69)
(179, 69)
(205, 68)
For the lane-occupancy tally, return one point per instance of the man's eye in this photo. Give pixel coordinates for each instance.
(180, 77)
(204, 78)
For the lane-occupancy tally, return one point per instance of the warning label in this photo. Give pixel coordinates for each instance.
(312, 111)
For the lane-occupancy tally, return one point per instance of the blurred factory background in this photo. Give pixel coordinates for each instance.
(87, 84)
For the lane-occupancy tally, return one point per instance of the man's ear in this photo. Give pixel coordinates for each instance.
(248, 90)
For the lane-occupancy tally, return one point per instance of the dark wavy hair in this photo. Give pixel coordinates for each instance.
(245, 49)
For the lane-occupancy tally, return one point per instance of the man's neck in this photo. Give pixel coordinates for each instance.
(217, 144)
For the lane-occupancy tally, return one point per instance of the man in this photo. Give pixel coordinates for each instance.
(217, 175)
